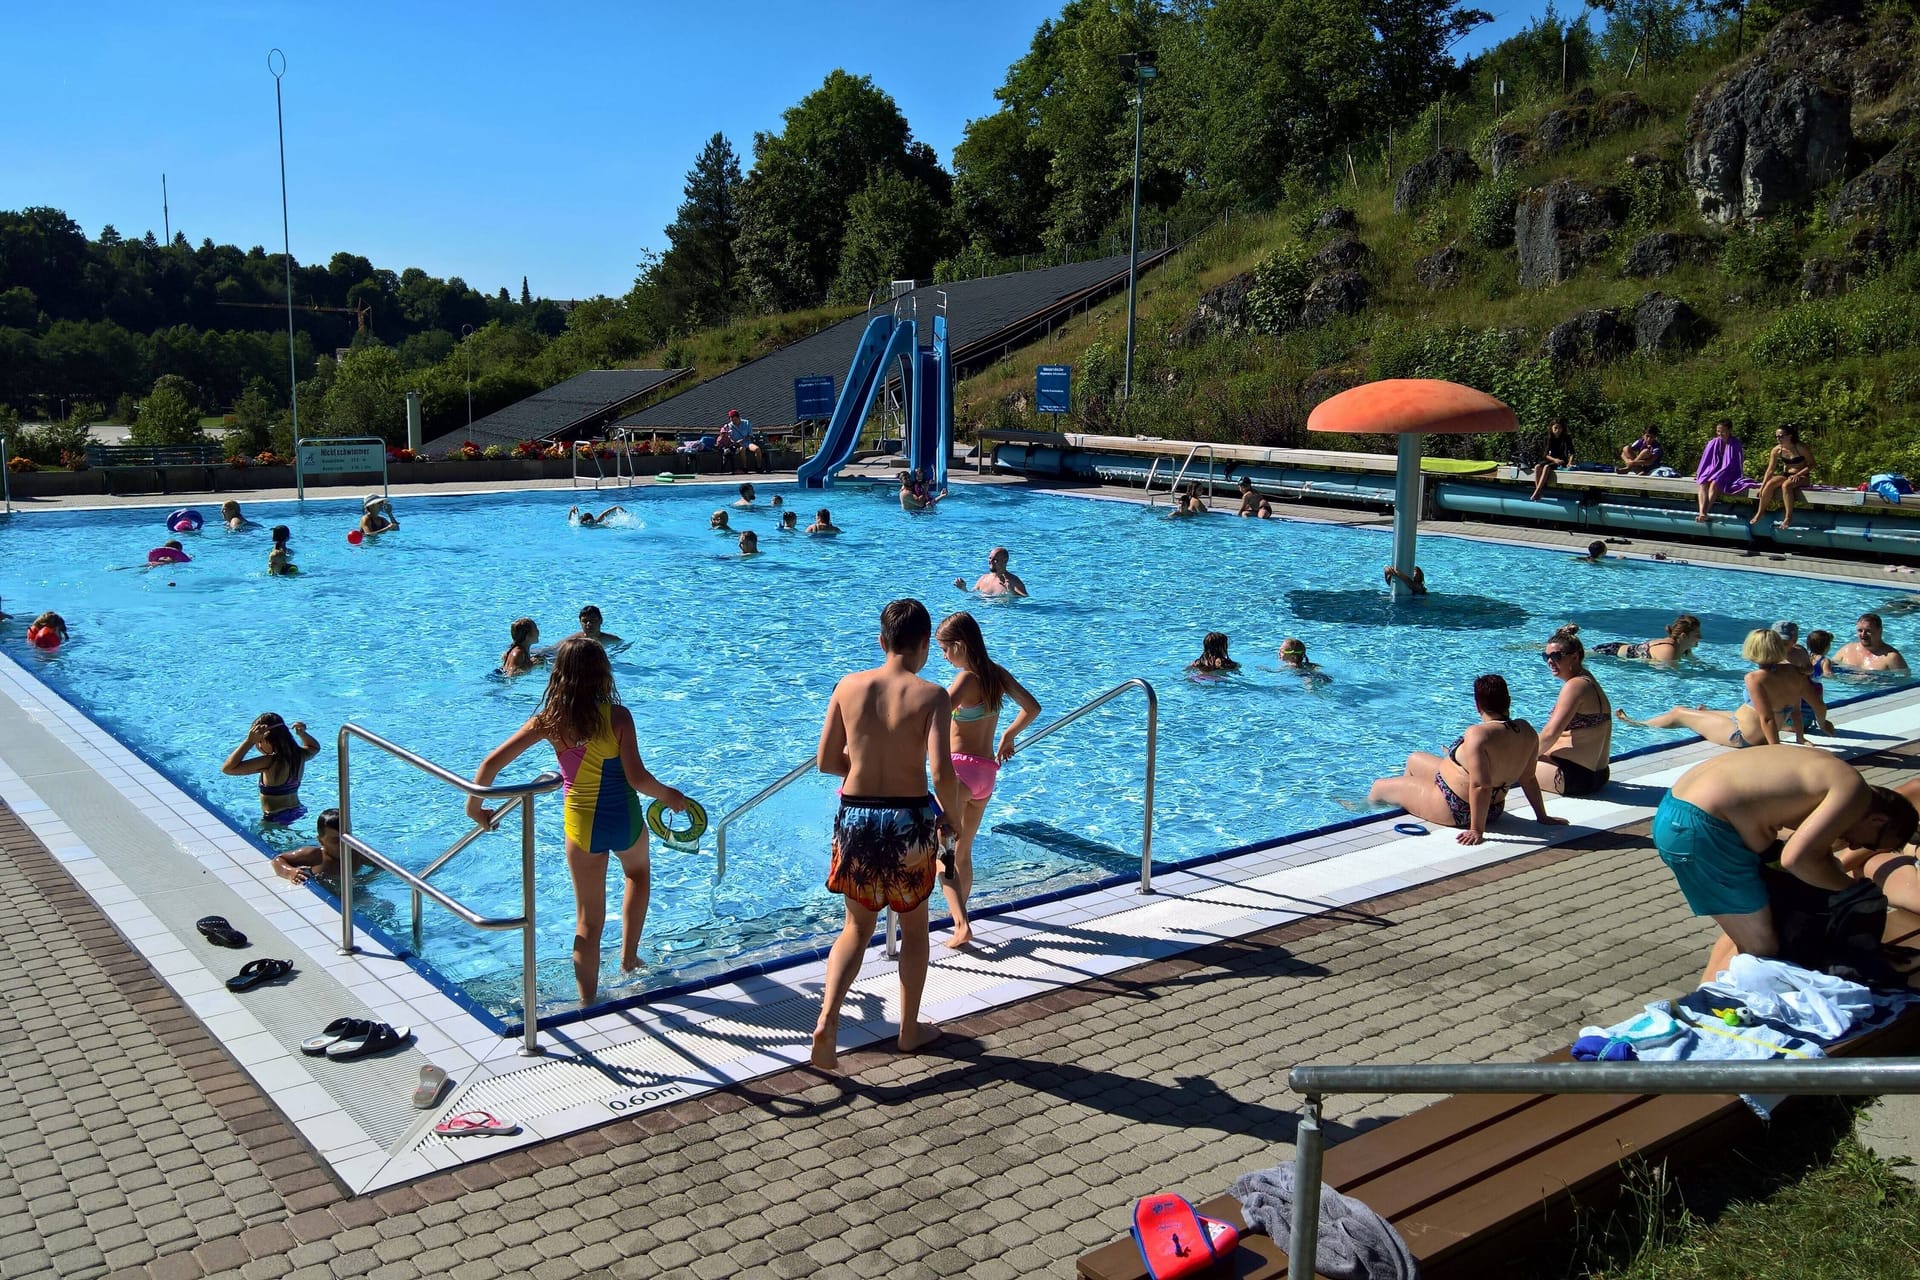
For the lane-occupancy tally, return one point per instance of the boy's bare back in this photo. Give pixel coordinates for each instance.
(888, 721)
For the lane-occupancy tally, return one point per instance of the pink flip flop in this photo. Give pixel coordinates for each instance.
(475, 1124)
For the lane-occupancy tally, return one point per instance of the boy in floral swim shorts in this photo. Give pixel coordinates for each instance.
(884, 728)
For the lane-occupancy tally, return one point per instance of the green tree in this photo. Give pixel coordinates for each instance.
(698, 277)
(894, 232)
(366, 397)
(526, 297)
(793, 206)
(1001, 184)
(168, 415)
(1410, 58)
(252, 422)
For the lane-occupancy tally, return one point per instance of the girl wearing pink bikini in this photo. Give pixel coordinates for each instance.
(976, 694)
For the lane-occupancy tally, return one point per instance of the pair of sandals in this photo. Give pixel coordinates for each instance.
(345, 1039)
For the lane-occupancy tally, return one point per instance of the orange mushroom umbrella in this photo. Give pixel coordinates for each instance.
(1410, 408)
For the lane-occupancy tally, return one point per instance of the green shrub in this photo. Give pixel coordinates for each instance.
(1651, 192)
(1881, 317)
(1762, 251)
(1279, 289)
(1490, 212)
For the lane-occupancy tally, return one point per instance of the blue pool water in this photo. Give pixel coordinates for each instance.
(729, 663)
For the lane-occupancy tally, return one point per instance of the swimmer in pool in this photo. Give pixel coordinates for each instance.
(52, 622)
(1213, 654)
(588, 520)
(1776, 690)
(231, 517)
(319, 861)
(376, 515)
(1293, 657)
(718, 522)
(279, 765)
(519, 659)
(590, 626)
(822, 525)
(746, 496)
(778, 502)
(1416, 581)
(998, 580)
(279, 560)
(909, 499)
(1596, 552)
(749, 543)
(789, 523)
(980, 686)
(1683, 636)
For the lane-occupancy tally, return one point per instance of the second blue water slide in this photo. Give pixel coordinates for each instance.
(931, 432)
(880, 343)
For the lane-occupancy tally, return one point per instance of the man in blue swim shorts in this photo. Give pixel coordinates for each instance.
(1713, 830)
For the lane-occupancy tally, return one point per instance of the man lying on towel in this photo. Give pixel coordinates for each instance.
(1717, 827)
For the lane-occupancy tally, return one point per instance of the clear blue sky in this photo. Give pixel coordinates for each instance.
(487, 141)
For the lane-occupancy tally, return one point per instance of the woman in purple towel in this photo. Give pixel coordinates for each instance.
(1722, 469)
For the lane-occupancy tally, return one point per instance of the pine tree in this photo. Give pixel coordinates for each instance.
(698, 276)
(526, 299)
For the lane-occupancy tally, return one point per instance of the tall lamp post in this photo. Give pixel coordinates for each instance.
(465, 331)
(1135, 69)
(286, 252)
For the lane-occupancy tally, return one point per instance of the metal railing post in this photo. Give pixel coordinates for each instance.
(529, 997)
(345, 806)
(891, 927)
(1146, 832)
(1303, 1241)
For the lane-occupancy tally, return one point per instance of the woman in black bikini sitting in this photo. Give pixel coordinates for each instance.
(1775, 690)
(280, 765)
(1794, 462)
(1467, 788)
(1576, 743)
(1683, 635)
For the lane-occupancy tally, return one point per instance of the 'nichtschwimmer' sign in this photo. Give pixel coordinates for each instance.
(333, 457)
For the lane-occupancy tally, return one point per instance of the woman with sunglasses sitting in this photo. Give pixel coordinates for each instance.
(1576, 743)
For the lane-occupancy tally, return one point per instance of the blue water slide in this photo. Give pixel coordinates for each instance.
(882, 341)
(930, 439)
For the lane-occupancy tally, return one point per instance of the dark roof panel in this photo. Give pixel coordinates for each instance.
(762, 389)
(586, 399)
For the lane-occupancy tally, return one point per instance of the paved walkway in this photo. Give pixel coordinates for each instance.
(1008, 1152)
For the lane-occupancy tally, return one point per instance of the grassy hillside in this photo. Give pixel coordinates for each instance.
(1842, 368)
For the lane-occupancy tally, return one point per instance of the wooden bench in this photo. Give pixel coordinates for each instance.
(1481, 1180)
(117, 459)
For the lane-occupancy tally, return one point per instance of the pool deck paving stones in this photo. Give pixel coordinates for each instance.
(149, 1148)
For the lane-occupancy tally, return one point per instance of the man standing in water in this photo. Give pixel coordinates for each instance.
(1869, 650)
(884, 728)
(997, 580)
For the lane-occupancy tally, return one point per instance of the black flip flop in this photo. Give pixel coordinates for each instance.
(216, 930)
(337, 1030)
(379, 1037)
(255, 972)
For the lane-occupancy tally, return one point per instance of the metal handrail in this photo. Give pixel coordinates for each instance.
(519, 794)
(1147, 488)
(1313, 1082)
(1191, 454)
(807, 766)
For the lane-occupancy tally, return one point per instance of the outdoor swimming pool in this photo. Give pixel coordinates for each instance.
(729, 663)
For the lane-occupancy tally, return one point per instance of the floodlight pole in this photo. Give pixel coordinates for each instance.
(286, 251)
(1142, 71)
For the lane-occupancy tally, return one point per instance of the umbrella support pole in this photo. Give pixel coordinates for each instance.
(1408, 486)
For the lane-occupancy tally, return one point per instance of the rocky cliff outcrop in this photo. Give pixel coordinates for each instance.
(1770, 134)
(1338, 293)
(1558, 227)
(1663, 251)
(1587, 338)
(1438, 173)
(1440, 269)
(1663, 325)
(1221, 309)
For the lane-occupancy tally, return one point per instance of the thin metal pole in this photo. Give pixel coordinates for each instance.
(466, 331)
(345, 806)
(1146, 831)
(1133, 242)
(1407, 486)
(1303, 1242)
(529, 999)
(286, 248)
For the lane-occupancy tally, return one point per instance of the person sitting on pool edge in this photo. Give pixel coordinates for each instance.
(376, 515)
(1776, 690)
(1643, 455)
(279, 560)
(998, 580)
(1249, 500)
(749, 543)
(1416, 581)
(519, 659)
(316, 861)
(822, 525)
(1213, 654)
(588, 520)
(590, 626)
(1467, 788)
(1715, 827)
(280, 765)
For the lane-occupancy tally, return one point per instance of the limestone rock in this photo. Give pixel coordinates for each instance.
(1338, 293)
(1767, 136)
(1587, 338)
(1876, 188)
(1661, 252)
(1440, 269)
(1558, 227)
(1337, 218)
(1563, 128)
(1507, 147)
(1865, 57)
(1618, 112)
(1663, 325)
(1437, 174)
(1221, 309)
(1341, 253)
(1825, 277)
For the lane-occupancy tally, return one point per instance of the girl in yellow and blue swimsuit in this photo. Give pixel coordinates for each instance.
(593, 738)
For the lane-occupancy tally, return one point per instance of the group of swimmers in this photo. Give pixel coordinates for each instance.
(524, 633)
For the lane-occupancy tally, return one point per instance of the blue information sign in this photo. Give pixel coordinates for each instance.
(813, 397)
(1051, 388)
